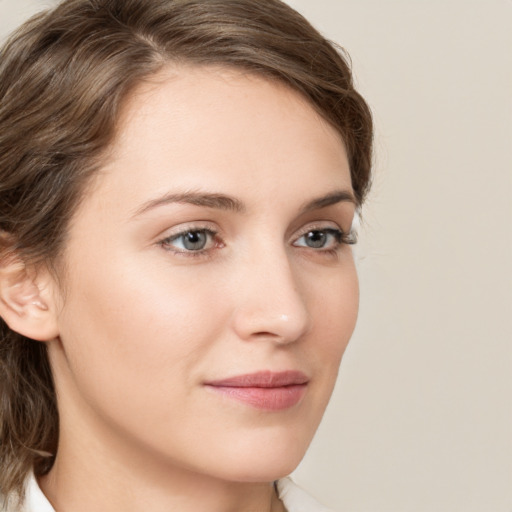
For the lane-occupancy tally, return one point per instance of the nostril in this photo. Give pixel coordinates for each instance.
(265, 334)
(271, 336)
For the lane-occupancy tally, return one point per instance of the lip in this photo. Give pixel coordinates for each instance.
(266, 390)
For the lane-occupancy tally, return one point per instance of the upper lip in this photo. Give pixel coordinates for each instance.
(262, 379)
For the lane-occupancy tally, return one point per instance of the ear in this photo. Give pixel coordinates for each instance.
(26, 300)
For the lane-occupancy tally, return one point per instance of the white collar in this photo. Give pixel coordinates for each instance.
(35, 500)
(294, 498)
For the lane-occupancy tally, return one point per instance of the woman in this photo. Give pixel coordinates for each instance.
(178, 184)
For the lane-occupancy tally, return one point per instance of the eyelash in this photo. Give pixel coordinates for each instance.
(166, 243)
(340, 237)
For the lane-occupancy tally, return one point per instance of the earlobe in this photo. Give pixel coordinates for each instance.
(26, 302)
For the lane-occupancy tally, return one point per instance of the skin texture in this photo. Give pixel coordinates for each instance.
(142, 325)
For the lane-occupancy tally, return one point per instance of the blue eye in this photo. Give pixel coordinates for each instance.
(192, 240)
(320, 239)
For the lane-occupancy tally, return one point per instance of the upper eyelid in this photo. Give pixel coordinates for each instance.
(317, 226)
(187, 227)
(182, 232)
(326, 224)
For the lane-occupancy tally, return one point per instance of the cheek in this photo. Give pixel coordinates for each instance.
(334, 309)
(139, 330)
(334, 316)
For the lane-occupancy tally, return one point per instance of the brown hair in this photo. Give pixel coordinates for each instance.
(63, 78)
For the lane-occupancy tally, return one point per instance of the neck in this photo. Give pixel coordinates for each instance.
(91, 475)
(68, 491)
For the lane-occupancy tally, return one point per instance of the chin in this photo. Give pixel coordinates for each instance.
(264, 460)
(262, 471)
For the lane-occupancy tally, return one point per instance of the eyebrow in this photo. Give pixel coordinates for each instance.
(339, 196)
(208, 200)
(229, 203)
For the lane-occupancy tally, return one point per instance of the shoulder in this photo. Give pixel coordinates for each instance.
(296, 499)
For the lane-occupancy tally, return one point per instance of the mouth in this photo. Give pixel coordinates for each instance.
(266, 390)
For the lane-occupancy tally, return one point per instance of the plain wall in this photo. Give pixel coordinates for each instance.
(421, 419)
(422, 416)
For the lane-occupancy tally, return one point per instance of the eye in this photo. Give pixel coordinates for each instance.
(326, 239)
(192, 240)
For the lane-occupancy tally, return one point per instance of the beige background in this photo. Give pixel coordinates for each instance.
(422, 416)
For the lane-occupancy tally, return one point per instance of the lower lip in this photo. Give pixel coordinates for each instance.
(269, 399)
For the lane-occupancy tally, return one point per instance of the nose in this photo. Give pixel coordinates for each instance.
(269, 302)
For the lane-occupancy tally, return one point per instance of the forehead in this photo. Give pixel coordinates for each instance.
(223, 130)
(226, 113)
(185, 90)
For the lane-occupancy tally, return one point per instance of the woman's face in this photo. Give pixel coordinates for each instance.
(209, 294)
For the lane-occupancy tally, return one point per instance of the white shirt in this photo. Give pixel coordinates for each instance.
(294, 498)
